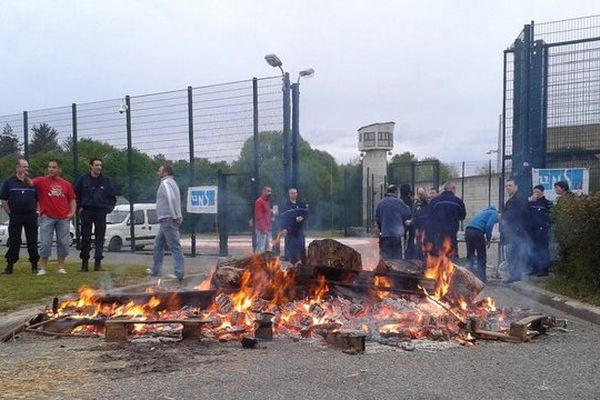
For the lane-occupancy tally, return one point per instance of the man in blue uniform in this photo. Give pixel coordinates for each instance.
(539, 210)
(292, 217)
(445, 213)
(19, 200)
(514, 231)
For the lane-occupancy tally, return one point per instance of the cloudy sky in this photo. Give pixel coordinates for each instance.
(433, 67)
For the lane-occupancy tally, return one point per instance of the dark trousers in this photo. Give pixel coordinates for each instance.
(517, 256)
(437, 240)
(390, 247)
(475, 240)
(295, 248)
(15, 225)
(411, 247)
(98, 219)
(540, 256)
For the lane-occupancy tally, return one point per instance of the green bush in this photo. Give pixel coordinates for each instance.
(576, 222)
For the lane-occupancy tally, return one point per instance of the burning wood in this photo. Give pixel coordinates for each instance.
(255, 298)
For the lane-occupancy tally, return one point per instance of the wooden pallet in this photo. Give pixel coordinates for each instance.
(118, 330)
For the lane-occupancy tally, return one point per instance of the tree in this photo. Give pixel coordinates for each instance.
(45, 139)
(9, 142)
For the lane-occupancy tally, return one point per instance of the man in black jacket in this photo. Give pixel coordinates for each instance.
(19, 200)
(515, 230)
(445, 213)
(95, 198)
(292, 217)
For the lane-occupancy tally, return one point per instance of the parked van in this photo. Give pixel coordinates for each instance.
(118, 226)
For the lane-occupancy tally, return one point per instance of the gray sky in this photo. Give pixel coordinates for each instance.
(433, 67)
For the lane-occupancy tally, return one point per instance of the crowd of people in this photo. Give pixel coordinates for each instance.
(290, 223)
(411, 227)
(49, 203)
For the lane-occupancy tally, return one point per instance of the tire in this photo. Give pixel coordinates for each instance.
(71, 239)
(115, 244)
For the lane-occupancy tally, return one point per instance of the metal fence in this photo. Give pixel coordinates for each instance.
(199, 130)
(551, 102)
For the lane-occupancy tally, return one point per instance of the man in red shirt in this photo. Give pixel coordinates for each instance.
(262, 221)
(57, 205)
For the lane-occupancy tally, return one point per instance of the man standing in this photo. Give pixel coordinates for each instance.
(95, 198)
(293, 215)
(263, 222)
(477, 233)
(561, 188)
(391, 215)
(408, 196)
(420, 213)
(20, 203)
(168, 210)
(57, 205)
(515, 231)
(539, 210)
(446, 211)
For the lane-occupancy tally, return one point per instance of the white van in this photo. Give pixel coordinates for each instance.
(4, 232)
(118, 226)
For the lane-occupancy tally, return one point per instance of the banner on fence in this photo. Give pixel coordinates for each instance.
(577, 178)
(202, 200)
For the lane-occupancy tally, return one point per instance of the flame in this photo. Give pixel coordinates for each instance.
(440, 268)
(381, 281)
(205, 284)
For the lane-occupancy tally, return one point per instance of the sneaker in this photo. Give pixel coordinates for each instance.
(62, 271)
(41, 272)
(171, 276)
(149, 272)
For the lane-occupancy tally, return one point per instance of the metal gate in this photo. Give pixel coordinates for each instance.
(551, 102)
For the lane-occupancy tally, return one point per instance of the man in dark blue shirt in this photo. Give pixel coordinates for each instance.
(539, 210)
(292, 217)
(95, 198)
(19, 200)
(391, 215)
(445, 213)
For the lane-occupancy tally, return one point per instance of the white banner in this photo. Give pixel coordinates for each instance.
(577, 178)
(202, 200)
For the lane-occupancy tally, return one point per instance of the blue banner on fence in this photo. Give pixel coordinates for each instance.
(202, 200)
(577, 178)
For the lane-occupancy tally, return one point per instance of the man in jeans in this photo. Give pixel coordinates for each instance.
(57, 205)
(263, 221)
(19, 200)
(95, 198)
(168, 210)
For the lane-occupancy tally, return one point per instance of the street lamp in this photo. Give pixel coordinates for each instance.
(290, 170)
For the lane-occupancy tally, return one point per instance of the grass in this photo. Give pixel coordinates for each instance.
(23, 288)
(579, 292)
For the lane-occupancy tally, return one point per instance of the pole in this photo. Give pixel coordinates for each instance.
(295, 133)
(222, 214)
(26, 134)
(286, 132)
(191, 148)
(462, 190)
(489, 183)
(75, 149)
(256, 166)
(130, 171)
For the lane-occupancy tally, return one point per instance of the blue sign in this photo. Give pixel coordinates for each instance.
(202, 200)
(577, 178)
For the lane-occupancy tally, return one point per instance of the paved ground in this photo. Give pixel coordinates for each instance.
(558, 366)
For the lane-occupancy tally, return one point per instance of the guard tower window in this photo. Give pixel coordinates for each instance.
(384, 139)
(369, 139)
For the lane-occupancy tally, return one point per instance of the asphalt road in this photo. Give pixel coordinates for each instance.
(556, 366)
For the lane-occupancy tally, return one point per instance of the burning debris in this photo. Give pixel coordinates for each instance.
(332, 298)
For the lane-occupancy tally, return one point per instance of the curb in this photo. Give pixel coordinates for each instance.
(581, 310)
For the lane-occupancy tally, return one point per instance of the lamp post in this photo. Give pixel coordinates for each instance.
(275, 62)
(290, 145)
(307, 73)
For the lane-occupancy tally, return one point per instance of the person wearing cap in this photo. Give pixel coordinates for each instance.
(539, 210)
(391, 215)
